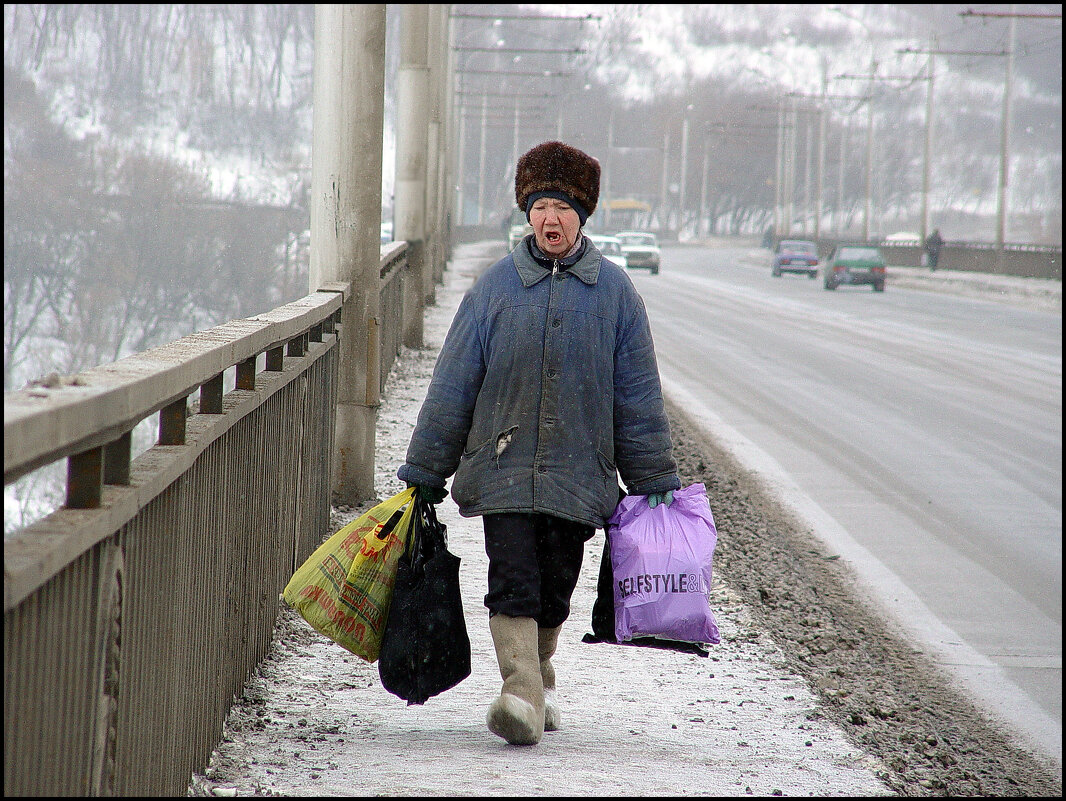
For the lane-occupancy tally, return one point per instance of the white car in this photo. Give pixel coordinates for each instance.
(517, 228)
(610, 247)
(641, 249)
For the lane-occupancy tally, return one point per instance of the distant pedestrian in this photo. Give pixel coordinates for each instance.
(545, 390)
(933, 243)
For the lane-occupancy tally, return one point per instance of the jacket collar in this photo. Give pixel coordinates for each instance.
(532, 269)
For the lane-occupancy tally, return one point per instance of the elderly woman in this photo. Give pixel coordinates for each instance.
(545, 390)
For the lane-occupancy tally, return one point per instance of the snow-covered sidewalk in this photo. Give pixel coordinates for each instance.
(1039, 293)
(315, 721)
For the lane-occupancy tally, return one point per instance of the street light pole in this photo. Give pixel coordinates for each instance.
(664, 182)
(778, 193)
(481, 162)
(790, 167)
(924, 231)
(821, 173)
(684, 170)
(460, 212)
(703, 186)
(1004, 158)
(932, 52)
(869, 159)
(807, 173)
(608, 171)
(838, 218)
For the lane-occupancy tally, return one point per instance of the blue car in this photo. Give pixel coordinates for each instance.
(795, 256)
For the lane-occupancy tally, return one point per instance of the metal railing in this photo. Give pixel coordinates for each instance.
(134, 614)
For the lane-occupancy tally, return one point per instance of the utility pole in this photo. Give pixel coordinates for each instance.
(412, 140)
(869, 78)
(869, 154)
(460, 182)
(838, 218)
(481, 162)
(790, 165)
(932, 52)
(608, 197)
(703, 187)
(664, 182)
(349, 95)
(684, 170)
(432, 264)
(514, 138)
(927, 157)
(502, 53)
(821, 174)
(744, 130)
(807, 174)
(928, 160)
(1004, 158)
(818, 180)
(1004, 169)
(778, 193)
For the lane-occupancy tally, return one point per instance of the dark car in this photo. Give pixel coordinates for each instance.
(795, 256)
(855, 264)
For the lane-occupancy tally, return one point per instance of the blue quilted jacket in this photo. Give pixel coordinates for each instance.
(545, 391)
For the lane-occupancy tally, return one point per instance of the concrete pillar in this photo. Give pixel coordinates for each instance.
(409, 215)
(348, 119)
(448, 137)
(433, 144)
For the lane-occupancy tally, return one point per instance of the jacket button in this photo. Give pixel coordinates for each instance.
(556, 323)
(551, 374)
(542, 469)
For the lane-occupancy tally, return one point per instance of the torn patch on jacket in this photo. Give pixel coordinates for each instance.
(504, 439)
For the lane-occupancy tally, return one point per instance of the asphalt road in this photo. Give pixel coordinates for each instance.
(919, 434)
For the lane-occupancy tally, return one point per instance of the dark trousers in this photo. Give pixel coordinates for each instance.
(534, 562)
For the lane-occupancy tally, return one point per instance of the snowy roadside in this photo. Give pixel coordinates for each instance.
(315, 721)
(1043, 294)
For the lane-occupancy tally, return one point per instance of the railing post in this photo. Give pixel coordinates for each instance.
(117, 460)
(172, 421)
(275, 359)
(211, 396)
(85, 479)
(246, 374)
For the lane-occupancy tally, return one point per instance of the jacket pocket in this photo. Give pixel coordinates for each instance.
(608, 499)
(476, 466)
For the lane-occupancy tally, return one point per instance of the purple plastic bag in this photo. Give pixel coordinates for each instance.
(661, 560)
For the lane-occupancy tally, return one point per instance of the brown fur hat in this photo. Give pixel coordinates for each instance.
(558, 168)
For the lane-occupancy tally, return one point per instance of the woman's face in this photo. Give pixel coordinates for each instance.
(555, 225)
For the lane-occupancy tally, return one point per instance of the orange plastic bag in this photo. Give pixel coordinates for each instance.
(344, 589)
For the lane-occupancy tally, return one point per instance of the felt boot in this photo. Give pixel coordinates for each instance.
(547, 639)
(517, 715)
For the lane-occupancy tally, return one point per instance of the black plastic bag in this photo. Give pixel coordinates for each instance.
(425, 650)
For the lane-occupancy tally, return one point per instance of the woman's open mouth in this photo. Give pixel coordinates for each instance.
(553, 237)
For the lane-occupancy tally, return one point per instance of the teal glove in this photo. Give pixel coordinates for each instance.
(655, 498)
(430, 494)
